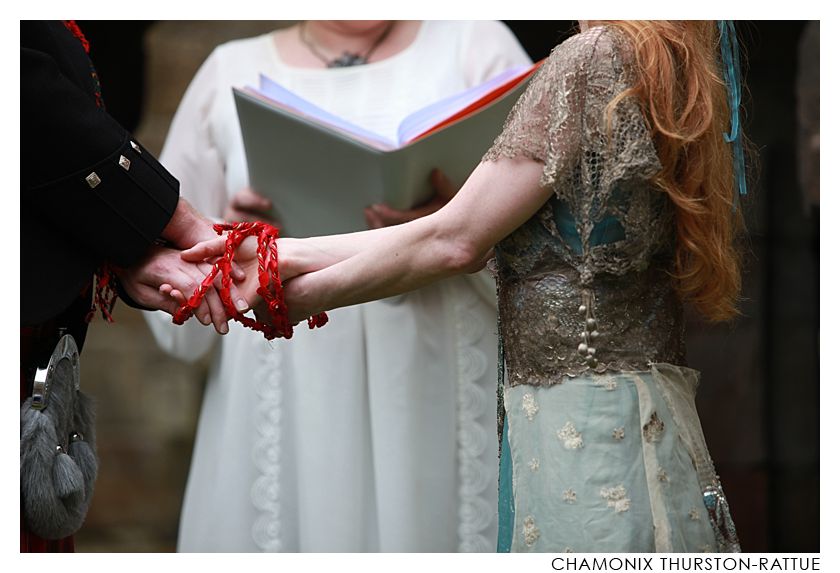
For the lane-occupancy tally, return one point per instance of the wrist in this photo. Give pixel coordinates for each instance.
(187, 226)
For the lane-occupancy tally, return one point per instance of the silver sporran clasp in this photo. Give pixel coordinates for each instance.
(66, 349)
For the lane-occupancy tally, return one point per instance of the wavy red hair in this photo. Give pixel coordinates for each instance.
(684, 98)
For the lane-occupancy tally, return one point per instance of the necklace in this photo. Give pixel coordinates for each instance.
(346, 59)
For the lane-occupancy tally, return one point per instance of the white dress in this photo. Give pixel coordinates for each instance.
(377, 432)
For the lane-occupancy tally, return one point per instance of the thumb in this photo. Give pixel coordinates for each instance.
(205, 250)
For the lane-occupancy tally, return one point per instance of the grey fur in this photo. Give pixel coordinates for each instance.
(67, 477)
(56, 488)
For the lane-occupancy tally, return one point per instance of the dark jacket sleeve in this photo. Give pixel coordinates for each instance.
(82, 172)
(90, 193)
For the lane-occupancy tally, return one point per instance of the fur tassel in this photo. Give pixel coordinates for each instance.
(85, 459)
(67, 477)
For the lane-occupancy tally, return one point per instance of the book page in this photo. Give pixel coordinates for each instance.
(425, 119)
(294, 103)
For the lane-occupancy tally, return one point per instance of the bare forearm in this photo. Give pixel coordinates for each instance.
(498, 198)
(409, 257)
(316, 253)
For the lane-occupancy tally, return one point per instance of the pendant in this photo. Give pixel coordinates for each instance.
(346, 60)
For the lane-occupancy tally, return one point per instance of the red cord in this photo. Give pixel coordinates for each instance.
(270, 289)
(104, 293)
(76, 31)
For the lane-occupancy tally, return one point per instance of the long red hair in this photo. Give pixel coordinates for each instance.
(684, 98)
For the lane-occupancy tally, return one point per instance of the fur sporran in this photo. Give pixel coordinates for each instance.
(57, 448)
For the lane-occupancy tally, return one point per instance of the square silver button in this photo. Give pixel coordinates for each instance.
(93, 180)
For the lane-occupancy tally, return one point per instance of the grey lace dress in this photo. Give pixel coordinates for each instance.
(602, 449)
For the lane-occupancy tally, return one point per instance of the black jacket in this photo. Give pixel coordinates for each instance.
(89, 192)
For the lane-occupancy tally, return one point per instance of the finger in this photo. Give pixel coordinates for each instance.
(243, 216)
(157, 300)
(165, 289)
(442, 185)
(373, 220)
(237, 272)
(205, 250)
(178, 296)
(250, 200)
(189, 284)
(218, 314)
(217, 311)
(390, 216)
(238, 299)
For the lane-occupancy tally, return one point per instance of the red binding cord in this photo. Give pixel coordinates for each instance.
(270, 289)
(76, 31)
(104, 293)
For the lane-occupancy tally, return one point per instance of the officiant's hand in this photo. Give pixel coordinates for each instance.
(381, 215)
(248, 205)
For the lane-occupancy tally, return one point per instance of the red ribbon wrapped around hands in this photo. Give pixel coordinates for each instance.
(270, 289)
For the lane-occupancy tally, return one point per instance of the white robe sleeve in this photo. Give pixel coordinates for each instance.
(190, 155)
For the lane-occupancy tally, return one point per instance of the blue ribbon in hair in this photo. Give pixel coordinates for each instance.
(730, 55)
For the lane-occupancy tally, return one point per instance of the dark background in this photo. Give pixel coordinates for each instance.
(759, 396)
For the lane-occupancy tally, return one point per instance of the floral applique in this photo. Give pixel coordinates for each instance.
(616, 498)
(694, 514)
(571, 438)
(534, 464)
(662, 475)
(569, 496)
(530, 406)
(530, 531)
(608, 383)
(654, 429)
(618, 434)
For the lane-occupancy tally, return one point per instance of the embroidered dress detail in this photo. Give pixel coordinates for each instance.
(616, 498)
(592, 326)
(530, 406)
(571, 438)
(654, 429)
(530, 531)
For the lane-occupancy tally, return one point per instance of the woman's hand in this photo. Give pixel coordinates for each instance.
(381, 215)
(248, 205)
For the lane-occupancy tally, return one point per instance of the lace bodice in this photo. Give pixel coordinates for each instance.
(584, 284)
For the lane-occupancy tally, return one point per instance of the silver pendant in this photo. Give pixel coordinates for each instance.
(347, 60)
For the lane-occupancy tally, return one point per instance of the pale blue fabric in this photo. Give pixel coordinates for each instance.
(505, 495)
(561, 487)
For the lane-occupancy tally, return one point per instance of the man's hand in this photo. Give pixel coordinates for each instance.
(164, 266)
(381, 215)
(187, 226)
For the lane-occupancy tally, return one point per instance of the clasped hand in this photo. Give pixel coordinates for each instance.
(151, 281)
(168, 276)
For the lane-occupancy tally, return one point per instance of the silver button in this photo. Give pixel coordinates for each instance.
(124, 162)
(134, 146)
(93, 180)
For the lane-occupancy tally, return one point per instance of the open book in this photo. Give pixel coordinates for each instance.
(321, 171)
